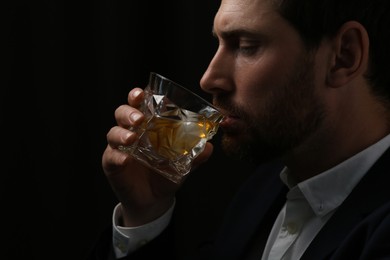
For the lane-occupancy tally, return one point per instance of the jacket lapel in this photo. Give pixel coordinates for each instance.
(370, 193)
(250, 209)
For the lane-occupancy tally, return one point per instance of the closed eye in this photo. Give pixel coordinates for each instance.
(248, 49)
(241, 42)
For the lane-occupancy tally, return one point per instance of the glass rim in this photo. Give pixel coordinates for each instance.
(153, 73)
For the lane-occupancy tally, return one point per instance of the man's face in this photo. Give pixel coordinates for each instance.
(264, 81)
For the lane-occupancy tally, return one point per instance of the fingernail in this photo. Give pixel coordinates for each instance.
(136, 93)
(135, 117)
(126, 137)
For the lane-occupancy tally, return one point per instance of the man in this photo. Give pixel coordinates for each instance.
(305, 89)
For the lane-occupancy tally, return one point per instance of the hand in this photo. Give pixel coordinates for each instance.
(145, 195)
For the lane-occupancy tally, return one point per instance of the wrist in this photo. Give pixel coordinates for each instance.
(133, 217)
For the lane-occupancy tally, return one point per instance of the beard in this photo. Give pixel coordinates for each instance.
(290, 114)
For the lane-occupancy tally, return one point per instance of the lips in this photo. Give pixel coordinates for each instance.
(232, 125)
(231, 122)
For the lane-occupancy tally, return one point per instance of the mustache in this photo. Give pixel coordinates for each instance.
(228, 106)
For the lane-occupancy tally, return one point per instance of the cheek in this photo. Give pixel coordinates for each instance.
(256, 82)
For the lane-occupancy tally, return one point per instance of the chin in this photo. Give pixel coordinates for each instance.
(245, 149)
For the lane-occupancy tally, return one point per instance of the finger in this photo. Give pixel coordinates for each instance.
(113, 160)
(118, 136)
(135, 97)
(127, 116)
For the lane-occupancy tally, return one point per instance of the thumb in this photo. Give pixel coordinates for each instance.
(204, 156)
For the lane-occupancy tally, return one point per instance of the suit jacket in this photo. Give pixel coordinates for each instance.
(359, 229)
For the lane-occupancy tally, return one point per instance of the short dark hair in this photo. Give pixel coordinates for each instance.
(317, 19)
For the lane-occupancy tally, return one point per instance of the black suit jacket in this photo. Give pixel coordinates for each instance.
(359, 229)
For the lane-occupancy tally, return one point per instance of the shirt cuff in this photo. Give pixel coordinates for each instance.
(128, 239)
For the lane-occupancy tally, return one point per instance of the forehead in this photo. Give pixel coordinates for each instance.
(244, 13)
(237, 5)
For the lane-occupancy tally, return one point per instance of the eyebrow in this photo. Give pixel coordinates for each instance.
(236, 33)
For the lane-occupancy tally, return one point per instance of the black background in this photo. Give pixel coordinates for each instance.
(67, 66)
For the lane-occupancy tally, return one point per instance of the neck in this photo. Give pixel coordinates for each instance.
(346, 135)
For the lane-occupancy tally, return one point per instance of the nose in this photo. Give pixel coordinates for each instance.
(218, 76)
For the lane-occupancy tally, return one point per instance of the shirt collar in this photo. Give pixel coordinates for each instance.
(327, 190)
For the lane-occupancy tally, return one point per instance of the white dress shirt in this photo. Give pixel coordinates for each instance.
(309, 205)
(129, 239)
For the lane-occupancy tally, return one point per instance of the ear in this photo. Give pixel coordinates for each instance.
(351, 50)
